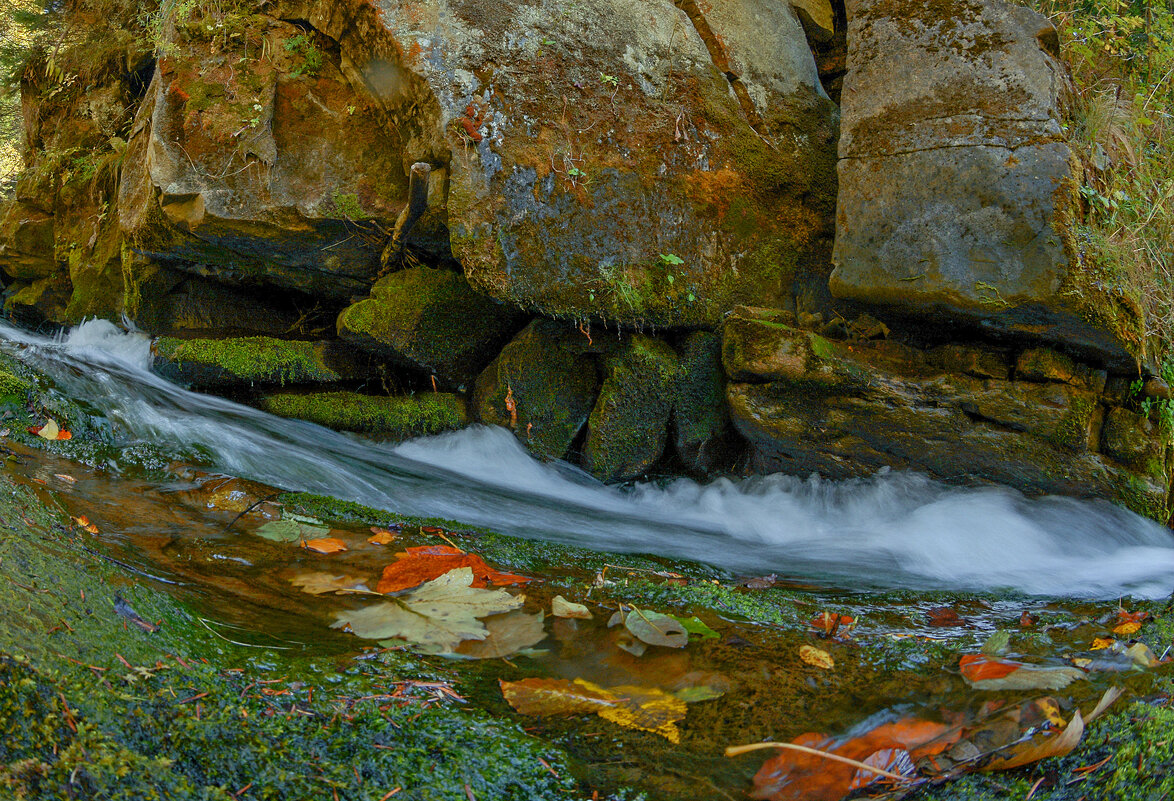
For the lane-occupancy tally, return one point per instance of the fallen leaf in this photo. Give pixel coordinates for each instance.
(415, 566)
(655, 628)
(289, 530)
(816, 658)
(51, 431)
(944, 616)
(509, 633)
(380, 536)
(984, 672)
(66, 478)
(1128, 627)
(643, 708)
(440, 614)
(695, 625)
(325, 545)
(323, 583)
(561, 607)
(828, 623)
(84, 523)
(1026, 621)
(1142, 656)
(1101, 642)
(996, 644)
(1040, 747)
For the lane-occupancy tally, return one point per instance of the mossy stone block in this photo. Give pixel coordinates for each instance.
(552, 382)
(254, 360)
(386, 418)
(699, 405)
(1131, 438)
(628, 429)
(431, 320)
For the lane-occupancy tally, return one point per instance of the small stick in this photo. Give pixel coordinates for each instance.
(735, 750)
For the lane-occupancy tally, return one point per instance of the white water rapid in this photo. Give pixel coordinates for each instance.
(890, 530)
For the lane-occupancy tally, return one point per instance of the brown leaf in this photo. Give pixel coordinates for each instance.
(84, 522)
(326, 545)
(985, 672)
(380, 536)
(561, 607)
(323, 583)
(944, 616)
(415, 566)
(508, 634)
(1040, 747)
(643, 708)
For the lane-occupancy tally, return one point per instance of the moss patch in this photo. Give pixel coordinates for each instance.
(248, 360)
(391, 418)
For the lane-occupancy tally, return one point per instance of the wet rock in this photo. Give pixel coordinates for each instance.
(44, 300)
(1157, 388)
(752, 349)
(700, 420)
(628, 166)
(1045, 364)
(431, 320)
(246, 361)
(971, 360)
(26, 243)
(628, 428)
(391, 418)
(956, 180)
(173, 302)
(1132, 439)
(549, 376)
(847, 409)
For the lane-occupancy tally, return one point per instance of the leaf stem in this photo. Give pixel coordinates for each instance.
(735, 750)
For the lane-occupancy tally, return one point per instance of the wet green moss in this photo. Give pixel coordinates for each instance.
(761, 606)
(1072, 430)
(390, 418)
(13, 388)
(262, 360)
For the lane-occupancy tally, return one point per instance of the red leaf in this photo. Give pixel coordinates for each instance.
(945, 616)
(426, 562)
(980, 667)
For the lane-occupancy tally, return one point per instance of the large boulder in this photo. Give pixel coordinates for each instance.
(846, 409)
(701, 424)
(631, 161)
(957, 187)
(548, 375)
(387, 418)
(247, 361)
(628, 428)
(430, 320)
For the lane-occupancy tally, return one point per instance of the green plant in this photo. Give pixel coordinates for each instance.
(311, 56)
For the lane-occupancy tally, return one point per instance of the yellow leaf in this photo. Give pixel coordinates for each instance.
(644, 708)
(50, 430)
(1128, 627)
(816, 658)
(1041, 747)
(380, 536)
(326, 545)
(1101, 642)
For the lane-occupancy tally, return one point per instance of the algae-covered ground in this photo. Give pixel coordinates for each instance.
(167, 656)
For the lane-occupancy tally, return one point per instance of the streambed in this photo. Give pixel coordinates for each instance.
(182, 529)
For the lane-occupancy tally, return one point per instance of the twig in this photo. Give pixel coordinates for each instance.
(735, 750)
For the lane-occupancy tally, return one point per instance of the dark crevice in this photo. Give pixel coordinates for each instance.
(720, 59)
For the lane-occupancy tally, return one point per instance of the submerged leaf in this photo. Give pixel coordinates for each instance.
(423, 563)
(1040, 747)
(695, 625)
(561, 607)
(289, 531)
(323, 583)
(325, 545)
(655, 628)
(984, 672)
(441, 614)
(509, 633)
(816, 657)
(380, 536)
(643, 708)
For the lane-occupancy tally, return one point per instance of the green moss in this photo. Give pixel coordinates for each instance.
(1134, 493)
(13, 388)
(247, 359)
(761, 606)
(821, 347)
(391, 418)
(1072, 430)
(346, 206)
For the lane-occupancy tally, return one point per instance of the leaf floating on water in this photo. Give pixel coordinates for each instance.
(325, 545)
(655, 628)
(1102, 642)
(983, 672)
(1040, 747)
(561, 607)
(380, 536)
(289, 530)
(816, 657)
(944, 617)
(643, 708)
(441, 614)
(324, 583)
(422, 563)
(509, 633)
(695, 625)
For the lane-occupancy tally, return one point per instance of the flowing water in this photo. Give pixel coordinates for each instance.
(894, 529)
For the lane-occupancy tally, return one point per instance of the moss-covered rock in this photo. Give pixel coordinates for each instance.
(431, 320)
(700, 420)
(550, 378)
(385, 418)
(43, 299)
(254, 360)
(1132, 439)
(628, 428)
(13, 388)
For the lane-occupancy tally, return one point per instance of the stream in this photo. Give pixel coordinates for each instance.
(892, 530)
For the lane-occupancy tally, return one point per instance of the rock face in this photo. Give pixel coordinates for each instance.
(847, 409)
(547, 373)
(431, 320)
(393, 419)
(245, 361)
(647, 164)
(628, 428)
(956, 184)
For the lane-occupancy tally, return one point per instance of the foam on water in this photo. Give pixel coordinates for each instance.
(892, 529)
